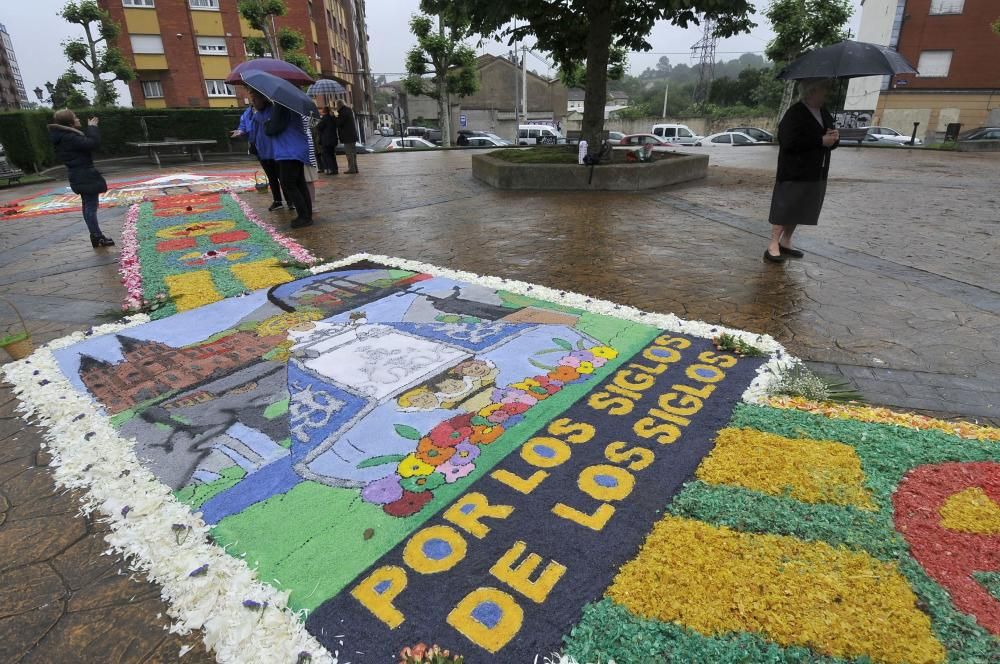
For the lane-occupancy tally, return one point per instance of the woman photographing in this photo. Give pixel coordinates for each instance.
(75, 147)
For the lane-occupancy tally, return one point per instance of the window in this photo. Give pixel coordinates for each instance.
(741, 139)
(934, 64)
(532, 133)
(218, 88)
(209, 5)
(522, 133)
(147, 44)
(138, 3)
(725, 139)
(684, 133)
(212, 46)
(947, 6)
(152, 90)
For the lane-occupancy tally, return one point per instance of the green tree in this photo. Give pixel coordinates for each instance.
(66, 94)
(97, 54)
(284, 43)
(578, 31)
(801, 26)
(449, 62)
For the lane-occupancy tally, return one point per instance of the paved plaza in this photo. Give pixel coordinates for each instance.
(899, 293)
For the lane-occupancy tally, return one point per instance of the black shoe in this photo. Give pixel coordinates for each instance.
(101, 241)
(334, 172)
(277, 205)
(791, 253)
(774, 259)
(301, 223)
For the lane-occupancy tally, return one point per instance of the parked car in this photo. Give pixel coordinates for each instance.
(888, 134)
(615, 137)
(755, 133)
(415, 131)
(486, 141)
(407, 143)
(531, 134)
(632, 141)
(432, 136)
(981, 134)
(725, 139)
(677, 134)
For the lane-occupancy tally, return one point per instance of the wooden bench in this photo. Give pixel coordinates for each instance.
(192, 148)
(853, 135)
(11, 174)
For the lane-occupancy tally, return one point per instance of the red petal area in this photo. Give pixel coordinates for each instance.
(231, 236)
(176, 245)
(951, 557)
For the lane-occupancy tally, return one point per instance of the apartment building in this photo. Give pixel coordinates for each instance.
(12, 92)
(182, 50)
(953, 47)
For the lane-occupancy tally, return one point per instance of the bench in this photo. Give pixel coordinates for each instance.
(9, 173)
(848, 134)
(192, 148)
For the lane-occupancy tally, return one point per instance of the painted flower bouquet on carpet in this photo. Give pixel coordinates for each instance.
(384, 453)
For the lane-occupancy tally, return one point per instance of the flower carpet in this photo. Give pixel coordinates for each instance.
(191, 250)
(382, 453)
(121, 192)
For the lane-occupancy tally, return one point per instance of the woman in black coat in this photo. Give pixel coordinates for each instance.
(806, 136)
(347, 130)
(327, 130)
(75, 149)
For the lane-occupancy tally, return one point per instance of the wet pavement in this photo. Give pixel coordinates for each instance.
(899, 293)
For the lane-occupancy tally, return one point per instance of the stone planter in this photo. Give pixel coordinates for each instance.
(674, 169)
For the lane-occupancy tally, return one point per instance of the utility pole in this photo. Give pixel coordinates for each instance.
(666, 91)
(524, 82)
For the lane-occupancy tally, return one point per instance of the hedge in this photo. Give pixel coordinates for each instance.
(25, 135)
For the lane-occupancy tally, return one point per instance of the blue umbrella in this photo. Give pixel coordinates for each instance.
(280, 92)
(324, 87)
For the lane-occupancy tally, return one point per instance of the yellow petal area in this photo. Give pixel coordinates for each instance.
(835, 601)
(813, 471)
(261, 274)
(880, 415)
(191, 290)
(971, 511)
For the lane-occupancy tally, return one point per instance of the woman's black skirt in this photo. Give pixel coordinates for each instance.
(797, 203)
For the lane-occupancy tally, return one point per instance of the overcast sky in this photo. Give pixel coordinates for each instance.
(37, 31)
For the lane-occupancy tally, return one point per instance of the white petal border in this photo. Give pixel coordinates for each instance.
(243, 619)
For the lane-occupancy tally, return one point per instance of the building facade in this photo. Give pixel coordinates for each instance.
(12, 92)
(183, 50)
(953, 47)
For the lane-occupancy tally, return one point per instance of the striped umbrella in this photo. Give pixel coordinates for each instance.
(325, 87)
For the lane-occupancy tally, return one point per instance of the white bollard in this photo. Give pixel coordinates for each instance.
(582, 152)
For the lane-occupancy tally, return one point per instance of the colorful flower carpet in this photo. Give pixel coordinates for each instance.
(121, 192)
(190, 250)
(385, 453)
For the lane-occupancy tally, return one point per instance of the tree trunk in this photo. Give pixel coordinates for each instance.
(444, 99)
(786, 100)
(95, 69)
(598, 53)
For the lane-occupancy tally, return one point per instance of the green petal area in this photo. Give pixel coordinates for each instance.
(990, 581)
(276, 409)
(197, 495)
(608, 631)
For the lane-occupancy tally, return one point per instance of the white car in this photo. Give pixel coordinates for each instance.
(533, 134)
(888, 134)
(633, 141)
(725, 139)
(677, 134)
(486, 141)
(407, 143)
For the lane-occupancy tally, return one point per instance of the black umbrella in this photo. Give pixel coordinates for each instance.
(848, 59)
(280, 92)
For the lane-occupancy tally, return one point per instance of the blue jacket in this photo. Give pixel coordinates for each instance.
(279, 135)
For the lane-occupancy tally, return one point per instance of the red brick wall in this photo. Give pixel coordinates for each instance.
(975, 62)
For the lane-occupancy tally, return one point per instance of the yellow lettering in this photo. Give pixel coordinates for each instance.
(642, 382)
(615, 405)
(378, 591)
(595, 521)
(661, 355)
(488, 617)
(604, 482)
(545, 452)
(519, 578)
(686, 404)
(638, 457)
(677, 342)
(669, 417)
(468, 512)
(573, 432)
(704, 373)
(647, 427)
(724, 361)
(518, 483)
(434, 549)
(625, 393)
(703, 393)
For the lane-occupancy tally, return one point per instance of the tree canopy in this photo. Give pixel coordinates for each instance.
(803, 25)
(285, 44)
(96, 52)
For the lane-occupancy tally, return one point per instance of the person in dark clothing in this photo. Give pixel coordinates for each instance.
(269, 166)
(75, 147)
(347, 130)
(327, 129)
(283, 138)
(806, 137)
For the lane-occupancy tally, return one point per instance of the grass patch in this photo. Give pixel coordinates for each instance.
(547, 155)
(25, 180)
